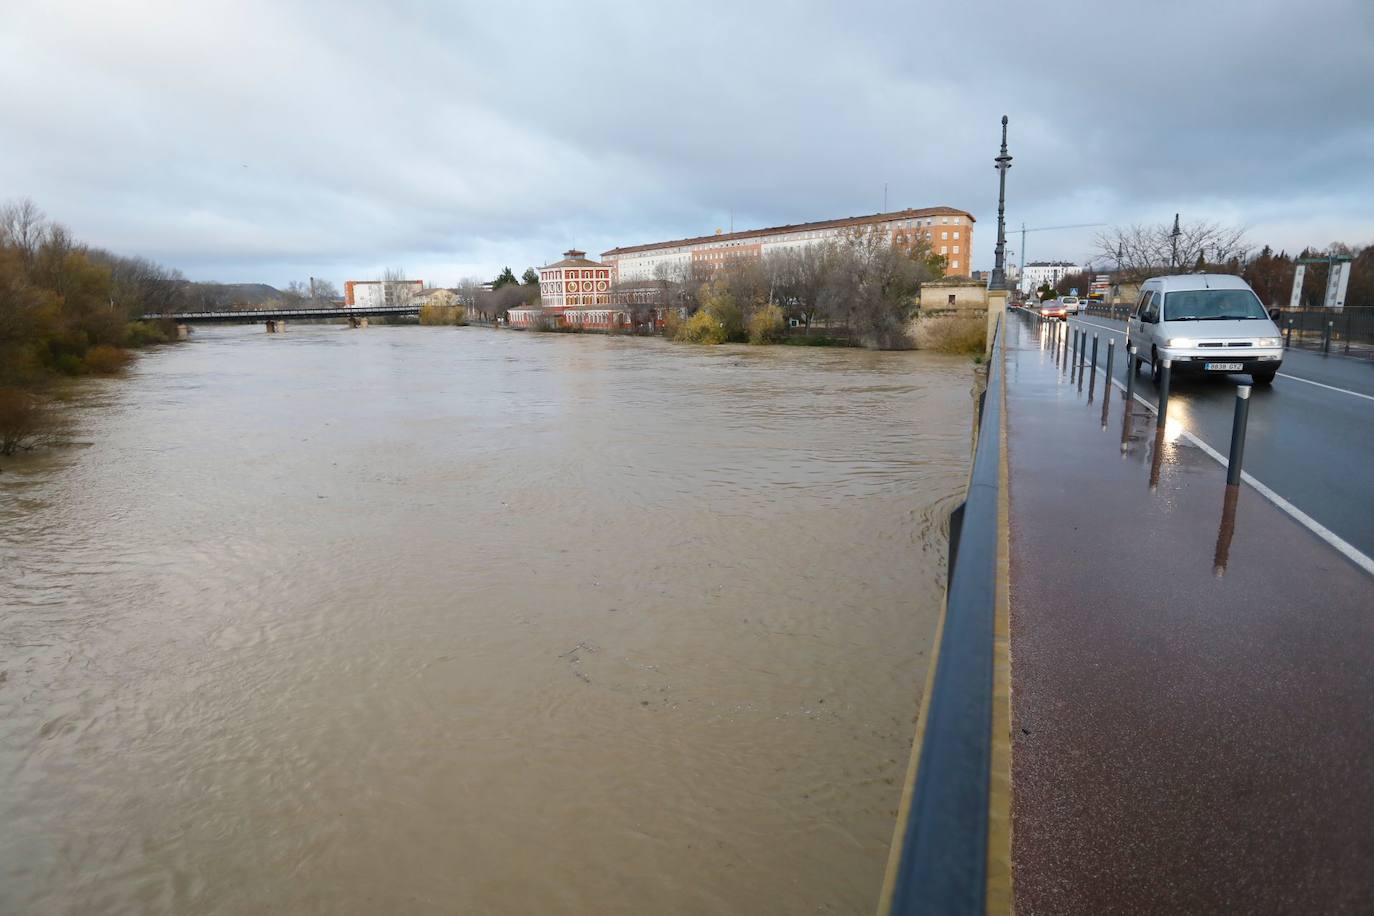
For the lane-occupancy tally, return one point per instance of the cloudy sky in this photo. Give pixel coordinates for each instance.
(268, 140)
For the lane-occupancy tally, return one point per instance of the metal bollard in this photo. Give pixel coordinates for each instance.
(1288, 335)
(1238, 423)
(1107, 382)
(1082, 357)
(1163, 394)
(1092, 371)
(1132, 370)
(1326, 337)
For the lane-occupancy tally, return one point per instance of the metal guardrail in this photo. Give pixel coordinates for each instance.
(943, 861)
(1348, 331)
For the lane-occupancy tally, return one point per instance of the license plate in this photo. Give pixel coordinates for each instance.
(1223, 367)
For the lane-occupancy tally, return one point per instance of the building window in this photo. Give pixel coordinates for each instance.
(956, 233)
(944, 235)
(954, 264)
(944, 249)
(956, 249)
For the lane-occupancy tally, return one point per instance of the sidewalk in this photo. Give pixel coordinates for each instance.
(1192, 703)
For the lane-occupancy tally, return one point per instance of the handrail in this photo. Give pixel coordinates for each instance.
(942, 865)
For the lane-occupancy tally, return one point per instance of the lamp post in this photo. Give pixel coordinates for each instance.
(1173, 244)
(999, 272)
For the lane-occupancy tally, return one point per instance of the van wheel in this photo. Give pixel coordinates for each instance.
(1156, 370)
(1263, 379)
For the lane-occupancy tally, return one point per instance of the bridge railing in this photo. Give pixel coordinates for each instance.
(940, 862)
(269, 314)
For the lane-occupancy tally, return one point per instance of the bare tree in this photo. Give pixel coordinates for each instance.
(396, 289)
(1143, 251)
(23, 226)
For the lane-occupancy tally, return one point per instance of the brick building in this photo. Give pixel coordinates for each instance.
(948, 231)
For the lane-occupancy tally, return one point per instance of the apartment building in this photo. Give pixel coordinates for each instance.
(367, 294)
(949, 232)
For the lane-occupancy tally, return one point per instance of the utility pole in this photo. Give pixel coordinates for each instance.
(1173, 244)
(999, 270)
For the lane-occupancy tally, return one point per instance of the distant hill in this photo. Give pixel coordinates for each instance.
(210, 296)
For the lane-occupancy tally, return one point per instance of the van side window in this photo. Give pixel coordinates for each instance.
(1141, 305)
(1149, 307)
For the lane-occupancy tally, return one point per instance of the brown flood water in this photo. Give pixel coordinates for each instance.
(449, 620)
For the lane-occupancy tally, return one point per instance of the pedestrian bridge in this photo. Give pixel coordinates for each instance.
(252, 316)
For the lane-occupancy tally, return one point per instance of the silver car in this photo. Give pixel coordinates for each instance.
(1205, 323)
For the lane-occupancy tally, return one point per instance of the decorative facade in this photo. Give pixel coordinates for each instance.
(574, 292)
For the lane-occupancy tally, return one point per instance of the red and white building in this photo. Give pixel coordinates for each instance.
(574, 292)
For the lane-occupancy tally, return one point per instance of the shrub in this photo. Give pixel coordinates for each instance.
(106, 360)
(717, 321)
(144, 333)
(25, 420)
(767, 325)
(69, 364)
(434, 314)
(963, 334)
(702, 328)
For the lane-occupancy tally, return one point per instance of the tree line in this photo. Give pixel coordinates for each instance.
(1143, 251)
(860, 287)
(66, 309)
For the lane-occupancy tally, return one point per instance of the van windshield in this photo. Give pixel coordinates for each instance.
(1212, 305)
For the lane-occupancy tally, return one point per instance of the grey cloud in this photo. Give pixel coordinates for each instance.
(264, 141)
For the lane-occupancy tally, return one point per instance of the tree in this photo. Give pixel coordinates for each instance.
(396, 290)
(530, 277)
(1080, 280)
(505, 278)
(1144, 251)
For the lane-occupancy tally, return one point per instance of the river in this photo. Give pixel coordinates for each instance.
(454, 620)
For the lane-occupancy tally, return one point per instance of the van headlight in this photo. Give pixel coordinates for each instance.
(1180, 341)
(1269, 342)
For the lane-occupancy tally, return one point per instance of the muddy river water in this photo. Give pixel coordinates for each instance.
(453, 620)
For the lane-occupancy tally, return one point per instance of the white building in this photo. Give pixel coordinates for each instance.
(1039, 273)
(948, 231)
(371, 294)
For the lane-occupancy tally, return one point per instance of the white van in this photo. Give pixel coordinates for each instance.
(1207, 323)
(1071, 304)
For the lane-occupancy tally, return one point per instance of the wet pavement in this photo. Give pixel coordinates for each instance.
(1311, 433)
(1191, 673)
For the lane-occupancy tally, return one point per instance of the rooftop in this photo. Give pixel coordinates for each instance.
(574, 258)
(797, 227)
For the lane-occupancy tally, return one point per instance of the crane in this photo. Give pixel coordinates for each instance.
(1023, 230)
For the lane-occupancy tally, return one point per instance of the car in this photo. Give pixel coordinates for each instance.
(1053, 309)
(1072, 304)
(1212, 324)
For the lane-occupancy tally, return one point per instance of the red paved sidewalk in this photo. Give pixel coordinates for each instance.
(1185, 738)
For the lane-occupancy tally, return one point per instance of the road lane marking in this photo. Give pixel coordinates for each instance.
(1296, 378)
(1342, 546)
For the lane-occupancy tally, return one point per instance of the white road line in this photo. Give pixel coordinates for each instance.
(1296, 378)
(1344, 547)
(1324, 385)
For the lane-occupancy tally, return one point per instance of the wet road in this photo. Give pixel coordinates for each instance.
(1307, 441)
(1191, 671)
(451, 620)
